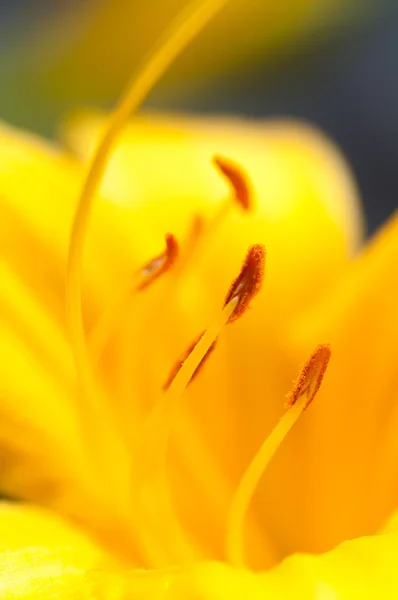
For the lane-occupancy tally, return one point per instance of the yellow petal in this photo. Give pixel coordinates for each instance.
(30, 526)
(42, 555)
(39, 190)
(290, 165)
(362, 569)
(348, 458)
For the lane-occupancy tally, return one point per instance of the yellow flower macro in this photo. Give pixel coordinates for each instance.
(146, 437)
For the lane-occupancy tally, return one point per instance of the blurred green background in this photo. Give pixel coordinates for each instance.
(333, 62)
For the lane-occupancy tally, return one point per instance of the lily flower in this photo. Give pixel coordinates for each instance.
(146, 438)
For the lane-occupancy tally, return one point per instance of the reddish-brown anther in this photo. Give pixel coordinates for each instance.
(160, 264)
(248, 282)
(310, 378)
(238, 179)
(176, 368)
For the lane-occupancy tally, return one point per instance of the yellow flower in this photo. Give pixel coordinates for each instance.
(184, 493)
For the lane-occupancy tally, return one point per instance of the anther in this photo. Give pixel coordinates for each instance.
(160, 264)
(248, 283)
(238, 179)
(310, 378)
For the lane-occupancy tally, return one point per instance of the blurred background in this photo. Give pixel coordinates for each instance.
(332, 62)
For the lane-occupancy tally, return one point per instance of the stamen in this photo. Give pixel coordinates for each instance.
(242, 291)
(301, 396)
(238, 180)
(142, 279)
(248, 283)
(187, 25)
